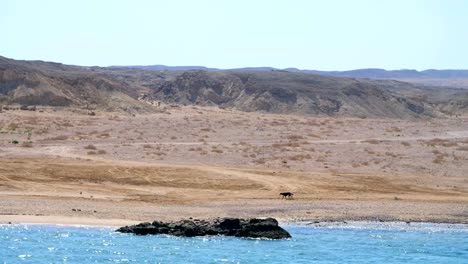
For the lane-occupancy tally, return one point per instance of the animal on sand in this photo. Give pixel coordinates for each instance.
(286, 195)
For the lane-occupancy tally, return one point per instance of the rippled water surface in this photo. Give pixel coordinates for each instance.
(327, 243)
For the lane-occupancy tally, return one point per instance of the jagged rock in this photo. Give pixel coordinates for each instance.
(254, 228)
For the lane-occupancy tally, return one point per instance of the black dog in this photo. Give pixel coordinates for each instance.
(286, 195)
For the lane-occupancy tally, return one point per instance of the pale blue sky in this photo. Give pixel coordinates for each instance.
(322, 35)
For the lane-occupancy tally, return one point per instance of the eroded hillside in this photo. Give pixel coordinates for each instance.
(285, 92)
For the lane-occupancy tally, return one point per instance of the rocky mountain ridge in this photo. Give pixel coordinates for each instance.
(275, 91)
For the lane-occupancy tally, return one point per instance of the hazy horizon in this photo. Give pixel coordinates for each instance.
(314, 35)
(246, 67)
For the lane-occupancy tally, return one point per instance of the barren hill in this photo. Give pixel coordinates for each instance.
(286, 92)
(438, 78)
(441, 78)
(54, 84)
(267, 90)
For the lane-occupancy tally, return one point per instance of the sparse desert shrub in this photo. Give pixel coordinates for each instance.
(394, 129)
(435, 152)
(311, 123)
(15, 142)
(441, 142)
(67, 124)
(324, 122)
(31, 121)
(260, 161)
(61, 137)
(91, 152)
(450, 144)
(339, 122)
(245, 150)
(287, 144)
(27, 144)
(278, 123)
(101, 151)
(13, 126)
(435, 141)
(372, 141)
(147, 146)
(321, 159)
(173, 137)
(463, 148)
(104, 135)
(91, 147)
(295, 137)
(300, 157)
(115, 118)
(371, 152)
(406, 144)
(217, 151)
(440, 158)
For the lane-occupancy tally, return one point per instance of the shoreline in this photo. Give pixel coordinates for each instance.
(43, 210)
(63, 220)
(6, 220)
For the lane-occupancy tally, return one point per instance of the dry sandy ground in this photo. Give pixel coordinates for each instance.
(114, 169)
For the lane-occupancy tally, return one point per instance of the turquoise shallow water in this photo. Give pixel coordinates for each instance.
(327, 243)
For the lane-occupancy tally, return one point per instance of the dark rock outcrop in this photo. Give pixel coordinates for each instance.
(252, 228)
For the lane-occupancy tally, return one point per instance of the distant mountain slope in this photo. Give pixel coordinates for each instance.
(286, 92)
(370, 73)
(54, 84)
(443, 78)
(248, 89)
(396, 74)
(166, 68)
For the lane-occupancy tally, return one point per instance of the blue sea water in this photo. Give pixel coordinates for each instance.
(356, 242)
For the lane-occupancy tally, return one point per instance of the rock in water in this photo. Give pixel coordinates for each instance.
(254, 228)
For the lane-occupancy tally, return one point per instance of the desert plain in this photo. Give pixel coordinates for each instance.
(62, 165)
